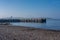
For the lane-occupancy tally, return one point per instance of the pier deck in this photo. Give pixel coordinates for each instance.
(41, 20)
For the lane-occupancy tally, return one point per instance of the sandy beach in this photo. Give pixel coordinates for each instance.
(9, 32)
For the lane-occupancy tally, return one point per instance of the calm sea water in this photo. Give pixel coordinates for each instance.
(50, 24)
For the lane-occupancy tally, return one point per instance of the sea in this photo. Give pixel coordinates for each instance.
(51, 24)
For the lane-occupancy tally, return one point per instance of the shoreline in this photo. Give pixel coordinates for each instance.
(30, 28)
(9, 32)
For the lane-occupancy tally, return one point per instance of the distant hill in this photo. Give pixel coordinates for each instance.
(52, 19)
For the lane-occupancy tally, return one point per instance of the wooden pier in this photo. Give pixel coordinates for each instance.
(35, 20)
(41, 20)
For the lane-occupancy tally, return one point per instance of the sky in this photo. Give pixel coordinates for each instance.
(30, 8)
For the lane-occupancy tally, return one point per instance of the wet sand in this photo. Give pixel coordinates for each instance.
(9, 32)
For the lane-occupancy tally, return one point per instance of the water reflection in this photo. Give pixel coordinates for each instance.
(50, 24)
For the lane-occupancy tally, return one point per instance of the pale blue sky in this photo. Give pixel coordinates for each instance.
(30, 8)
